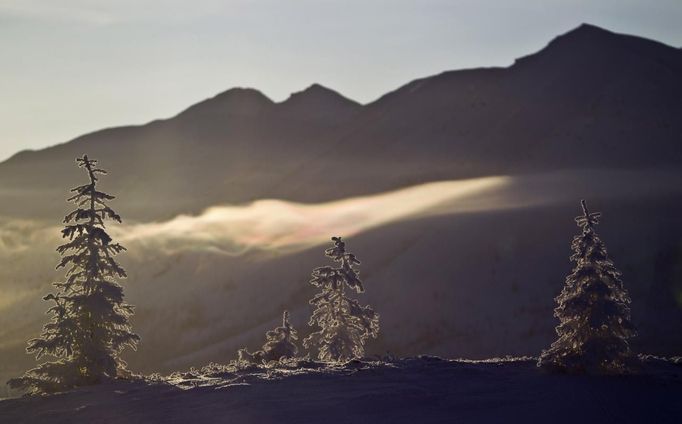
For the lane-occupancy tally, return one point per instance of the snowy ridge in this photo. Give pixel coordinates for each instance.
(412, 390)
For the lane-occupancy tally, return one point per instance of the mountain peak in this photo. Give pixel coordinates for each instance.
(319, 102)
(582, 34)
(585, 33)
(318, 94)
(586, 28)
(235, 101)
(244, 92)
(319, 88)
(590, 44)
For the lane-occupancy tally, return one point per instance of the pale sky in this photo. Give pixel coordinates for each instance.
(75, 66)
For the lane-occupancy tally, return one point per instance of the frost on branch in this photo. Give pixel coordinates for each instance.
(89, 325)
(280, 344)
(593, 309)
(343, 324)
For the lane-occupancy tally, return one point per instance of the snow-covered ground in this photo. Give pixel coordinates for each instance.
(417, 390)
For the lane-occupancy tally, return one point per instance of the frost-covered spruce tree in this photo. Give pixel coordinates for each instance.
(90, 322)
(593, 309)
(344, 325)
(280, 344)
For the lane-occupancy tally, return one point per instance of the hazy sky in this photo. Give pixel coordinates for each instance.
(73, 66)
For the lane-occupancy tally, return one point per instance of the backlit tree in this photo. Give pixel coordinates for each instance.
(280, 344)
(593, 309)
(90, 321)
(343, 324)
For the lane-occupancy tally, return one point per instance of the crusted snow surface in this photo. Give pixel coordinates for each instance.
(413, 390)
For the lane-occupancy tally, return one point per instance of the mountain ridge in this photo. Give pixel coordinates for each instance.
(589, 99)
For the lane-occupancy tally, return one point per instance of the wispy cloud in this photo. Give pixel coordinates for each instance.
(281, 227)
(278, 225)
(274, 225)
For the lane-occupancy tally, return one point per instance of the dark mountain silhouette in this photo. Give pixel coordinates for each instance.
(590, 99)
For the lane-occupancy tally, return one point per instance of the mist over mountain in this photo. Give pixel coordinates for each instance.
(590, 99)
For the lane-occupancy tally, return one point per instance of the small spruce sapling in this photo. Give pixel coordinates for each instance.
(343, 324)
(593, 309)
(90, 324)
(280, 344)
